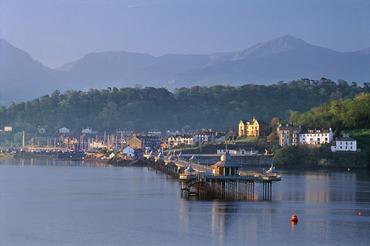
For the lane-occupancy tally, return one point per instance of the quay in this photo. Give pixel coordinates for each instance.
(223, 180)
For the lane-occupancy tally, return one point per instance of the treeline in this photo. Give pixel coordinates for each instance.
(339, 114)
(294, 156)
(143, 109)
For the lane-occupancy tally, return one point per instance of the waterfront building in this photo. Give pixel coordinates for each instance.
(344, 143)
(128, 151)
(144, 141)
(288, 135)
(237, 151)
(316, 136)
(181, 139)
(225, 167)
(253, 128)
(204, 136)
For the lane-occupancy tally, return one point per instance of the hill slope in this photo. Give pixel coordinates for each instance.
(21, 77)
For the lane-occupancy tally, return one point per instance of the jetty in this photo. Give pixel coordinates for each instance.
(222, 180)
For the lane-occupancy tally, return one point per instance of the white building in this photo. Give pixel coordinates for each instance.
(8, 128)
(344, 144)
(316, 137)
(204, 137)
(63, 130)
(128, 151)
(183, 139)
(237, 152)
(88, 131)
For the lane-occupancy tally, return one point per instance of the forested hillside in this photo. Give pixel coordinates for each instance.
(143, 109)
(338, 114)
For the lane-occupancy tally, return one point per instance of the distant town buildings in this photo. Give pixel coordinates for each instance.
(291, 135)
(180, 140)
(144, 141)
(237, 151)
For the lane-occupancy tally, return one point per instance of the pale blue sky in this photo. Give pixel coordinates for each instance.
(55, 32)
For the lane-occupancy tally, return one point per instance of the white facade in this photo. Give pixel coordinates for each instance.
(315, 137)
(64, 130)
(237, 152)
(128, 151)
(184, 139)
(204, 138)
(180, 140)
(8, 128)
(88, 131)
(344, 144)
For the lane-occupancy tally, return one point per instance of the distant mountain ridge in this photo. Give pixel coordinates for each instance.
(282, 59)
(22, 76)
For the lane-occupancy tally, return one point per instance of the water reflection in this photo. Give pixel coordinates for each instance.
(222, 217)
(53, 163)
(132, 206)
(317, 187)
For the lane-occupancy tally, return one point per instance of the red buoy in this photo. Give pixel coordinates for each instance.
(359, 213)
(294, 218)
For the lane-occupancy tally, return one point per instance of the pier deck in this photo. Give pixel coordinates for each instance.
(203, 183)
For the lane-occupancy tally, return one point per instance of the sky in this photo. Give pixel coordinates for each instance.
(56, 32)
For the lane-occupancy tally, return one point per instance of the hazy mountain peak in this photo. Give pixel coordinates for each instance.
(108, 58)
(275, 46)
(284, 58)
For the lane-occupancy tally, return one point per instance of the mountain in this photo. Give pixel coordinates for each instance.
(21, 77)
(285, 58)
(123, 69)
(282, 59)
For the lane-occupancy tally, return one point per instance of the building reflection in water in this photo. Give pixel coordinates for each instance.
(317, 187)
(225, 220)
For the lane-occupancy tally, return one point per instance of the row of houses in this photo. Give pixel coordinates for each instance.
(152, 141)
(292, 135)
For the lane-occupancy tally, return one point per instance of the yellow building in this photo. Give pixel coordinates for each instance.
(253, 128)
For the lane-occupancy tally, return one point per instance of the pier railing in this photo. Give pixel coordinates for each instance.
(204, 184)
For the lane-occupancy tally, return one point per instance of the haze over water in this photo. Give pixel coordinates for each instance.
(48, 202)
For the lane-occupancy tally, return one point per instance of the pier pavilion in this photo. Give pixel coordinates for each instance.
(221, 180)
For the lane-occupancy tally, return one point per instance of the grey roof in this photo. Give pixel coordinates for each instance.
(292, 128)
(345, 139)
(316, 131)
(260, 122)
(225, 161)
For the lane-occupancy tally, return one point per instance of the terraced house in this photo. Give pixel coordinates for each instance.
(253, 128)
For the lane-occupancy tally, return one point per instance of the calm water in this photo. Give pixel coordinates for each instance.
(45, 202)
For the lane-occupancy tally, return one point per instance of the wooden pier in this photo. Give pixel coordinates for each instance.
(206, 183)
